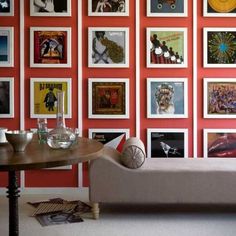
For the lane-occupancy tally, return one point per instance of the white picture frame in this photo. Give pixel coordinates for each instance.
(176, 106)
(177, 9)
(59, 8)
(98, 54)
(219, 143)
(114, 138)
(101, 107)
(216, 54)
(7, 46)
(170, 148)
(209, 11)
(214, 106)
(53, 53)
(7, 8)
(97, 9)
(166, 47)
(39, 87)
(6, 97)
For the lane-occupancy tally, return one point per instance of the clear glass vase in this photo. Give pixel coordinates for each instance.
(61, 136)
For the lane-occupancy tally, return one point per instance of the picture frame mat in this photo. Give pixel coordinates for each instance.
(11, 13)
(69, 98)
(168, 80)
(109, 80)
(155, 130)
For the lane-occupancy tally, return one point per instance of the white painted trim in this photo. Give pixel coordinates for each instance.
(195, 84)
(80, 69)
(137, 65)
(80, 175)
(22, 79)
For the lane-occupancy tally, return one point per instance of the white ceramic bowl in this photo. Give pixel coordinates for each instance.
(19, 139)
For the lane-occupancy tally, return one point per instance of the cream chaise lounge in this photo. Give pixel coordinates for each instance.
(162, 181)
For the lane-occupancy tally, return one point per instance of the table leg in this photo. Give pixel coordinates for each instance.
(13, 194)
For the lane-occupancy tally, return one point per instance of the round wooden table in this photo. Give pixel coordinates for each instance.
(38, 156)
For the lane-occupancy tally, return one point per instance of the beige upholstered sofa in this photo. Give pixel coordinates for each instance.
(162, 181)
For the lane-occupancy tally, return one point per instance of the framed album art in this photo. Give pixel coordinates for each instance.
(167, 8)
(167, 98)
(7, 8)
(166, 47)
(219, 8)
(219, 143)
(43, 97)
(114, 138)
(6, 47)
(167, 143)
(220, 98)
(6, 97)
(108, 98)
(50, 8)
(219, 47)
(50, 47)
(108, 47)
(108, 8)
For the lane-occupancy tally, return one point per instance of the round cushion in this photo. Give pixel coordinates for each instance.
(133, 153)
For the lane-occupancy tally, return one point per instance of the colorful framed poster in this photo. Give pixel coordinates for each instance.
(114, 138)
(167, 8)
(108, 98)
(6, 47)
(219, 143)
(6, 7)
(6, 97)
(43, 97)
(219, 8)
(219, 47)
(50, 47)
(108, 8)
(50, 8)
(166, 47)
(220, 98)
(108, 47)
(167, 98)
(167, 143)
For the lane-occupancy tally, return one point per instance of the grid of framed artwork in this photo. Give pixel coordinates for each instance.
(109, 47)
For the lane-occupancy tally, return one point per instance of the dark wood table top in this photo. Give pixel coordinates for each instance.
(37, 156)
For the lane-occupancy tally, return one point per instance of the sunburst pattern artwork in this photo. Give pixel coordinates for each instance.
(222, 47)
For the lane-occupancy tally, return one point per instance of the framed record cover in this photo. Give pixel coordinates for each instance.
(114, 138)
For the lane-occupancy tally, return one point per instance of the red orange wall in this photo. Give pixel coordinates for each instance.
(69, 178)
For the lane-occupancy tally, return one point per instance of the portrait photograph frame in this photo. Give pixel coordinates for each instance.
(103, 42)
(216, 52)
(214, 9)
(6, 46)
(167, 143)
(108, 98)
(53, 53)
(43, 101)
(162, 44)
(219, 97)
(7, 9)
(96, 9)
(167, 10)
(6, 97)
(114, 138)
(57, 9)
(163, 105)
(219, 143)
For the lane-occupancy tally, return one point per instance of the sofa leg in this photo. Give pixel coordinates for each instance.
(95, 210)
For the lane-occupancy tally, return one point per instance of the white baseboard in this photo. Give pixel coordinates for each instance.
(65, 191)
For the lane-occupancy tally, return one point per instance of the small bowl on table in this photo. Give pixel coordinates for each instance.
(19, 139)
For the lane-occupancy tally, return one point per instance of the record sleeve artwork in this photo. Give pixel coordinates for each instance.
(222, 6)
(50, 47)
